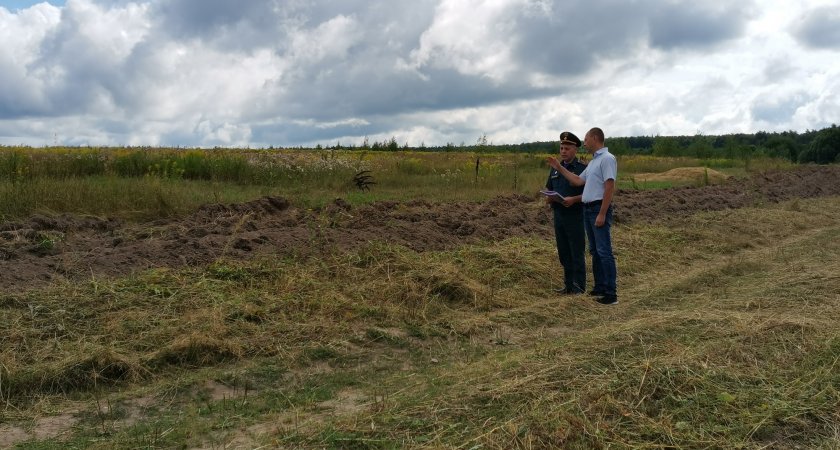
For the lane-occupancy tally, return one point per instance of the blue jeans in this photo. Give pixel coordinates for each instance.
(600, 247)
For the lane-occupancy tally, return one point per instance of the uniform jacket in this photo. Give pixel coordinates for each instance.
(558, 183)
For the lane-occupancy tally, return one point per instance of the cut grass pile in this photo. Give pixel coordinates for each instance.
(725, 336)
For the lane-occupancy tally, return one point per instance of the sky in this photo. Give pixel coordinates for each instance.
(259, 73)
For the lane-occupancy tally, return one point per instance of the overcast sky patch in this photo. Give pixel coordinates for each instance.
(303, 72)
(820, 28)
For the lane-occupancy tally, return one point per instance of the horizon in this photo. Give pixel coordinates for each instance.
(407, 145)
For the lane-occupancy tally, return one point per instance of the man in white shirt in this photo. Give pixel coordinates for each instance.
(598, 181)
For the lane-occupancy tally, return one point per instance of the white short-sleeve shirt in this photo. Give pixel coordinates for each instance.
(603, 167)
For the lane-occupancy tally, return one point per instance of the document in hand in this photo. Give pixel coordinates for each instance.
(552, 195)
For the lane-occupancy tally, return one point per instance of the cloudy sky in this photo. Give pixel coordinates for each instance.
(303, 72)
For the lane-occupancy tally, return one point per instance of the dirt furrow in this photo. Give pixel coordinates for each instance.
(43, 249)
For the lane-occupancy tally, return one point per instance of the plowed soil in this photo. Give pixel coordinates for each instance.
(43, 249)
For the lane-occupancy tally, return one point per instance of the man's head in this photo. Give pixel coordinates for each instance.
(569, 144)
(594, 139)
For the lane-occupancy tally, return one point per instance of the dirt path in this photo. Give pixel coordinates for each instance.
(43, 249)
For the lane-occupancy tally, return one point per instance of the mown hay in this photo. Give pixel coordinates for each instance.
(196, 351)
(86, 369)
(451, 290)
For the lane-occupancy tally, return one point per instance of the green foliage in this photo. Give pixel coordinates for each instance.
(701, 147)
(787, 144)
(267, 168)
(133, 164)
(825, 148)
(618, 146)
(15, 165)
(390, 145)
(782, 147)
(665, 146)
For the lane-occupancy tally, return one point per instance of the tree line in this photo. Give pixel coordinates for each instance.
(816, 146)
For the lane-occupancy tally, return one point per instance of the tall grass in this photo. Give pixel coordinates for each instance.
(130, 198)
(243, 167)
(145, 183)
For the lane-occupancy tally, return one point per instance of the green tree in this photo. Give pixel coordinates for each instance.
(392, 144)
(665, 146)
(481, 143)
(782, 147)
(618, 146)
(825, 147)
(730, 147)
(701, 147)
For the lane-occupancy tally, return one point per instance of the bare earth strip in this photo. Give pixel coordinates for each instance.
(43, 250)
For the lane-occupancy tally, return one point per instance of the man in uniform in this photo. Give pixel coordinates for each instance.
(598, 181)
(568, 216)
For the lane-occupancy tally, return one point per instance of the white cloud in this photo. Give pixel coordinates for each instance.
(21, 91)
(472, 36)
(263, 72)
(329, 40)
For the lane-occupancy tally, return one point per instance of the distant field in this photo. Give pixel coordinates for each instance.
(152, 183)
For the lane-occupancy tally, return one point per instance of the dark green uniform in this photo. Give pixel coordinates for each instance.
(568, 228)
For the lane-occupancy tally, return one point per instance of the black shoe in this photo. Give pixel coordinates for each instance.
(560, 290)
(595, 293)
(607, 300)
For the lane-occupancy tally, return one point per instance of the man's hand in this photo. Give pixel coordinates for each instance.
(574, 180)
(609, 188)
(599, 221)
(568, 202)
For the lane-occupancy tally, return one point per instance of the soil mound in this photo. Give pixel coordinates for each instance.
(43, 249)
(772, 186)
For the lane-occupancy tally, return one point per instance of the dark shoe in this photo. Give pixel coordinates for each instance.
(607, 300)
(595, 293)
(560, 290)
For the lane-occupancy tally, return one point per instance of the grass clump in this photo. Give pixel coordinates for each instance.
(196, 351)
(92, 366)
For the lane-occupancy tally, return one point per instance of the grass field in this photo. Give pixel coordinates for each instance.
(725, 337)
(142, 184)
